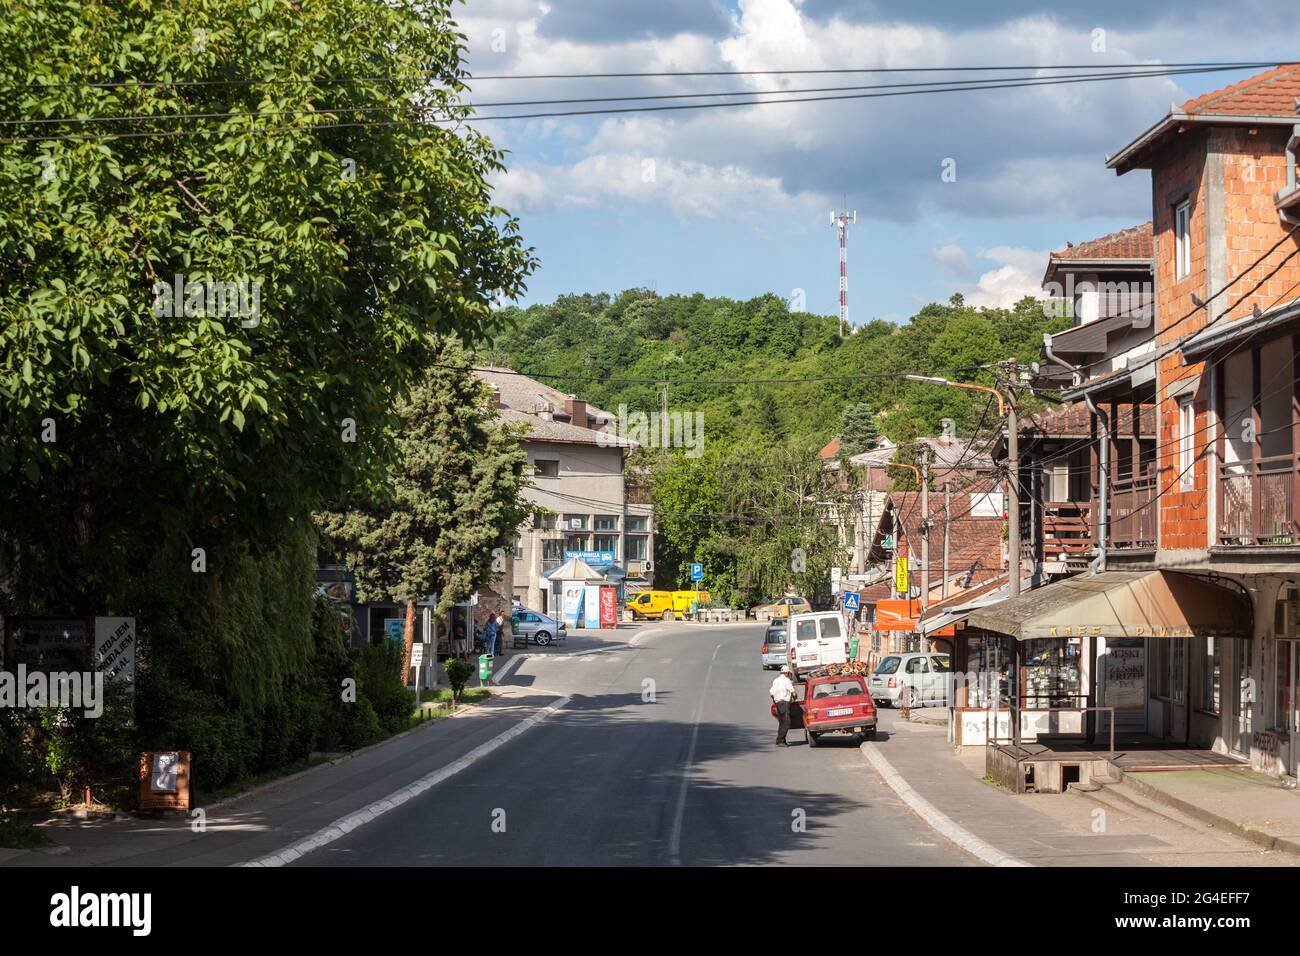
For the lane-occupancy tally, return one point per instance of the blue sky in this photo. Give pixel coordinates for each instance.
(735, 202)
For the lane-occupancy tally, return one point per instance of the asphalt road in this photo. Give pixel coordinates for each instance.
(663, 756)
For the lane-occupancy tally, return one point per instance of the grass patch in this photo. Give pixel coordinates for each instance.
(17, 835)
(470, 695)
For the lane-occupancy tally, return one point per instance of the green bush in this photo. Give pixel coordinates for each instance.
(458, 673)
(379, 671)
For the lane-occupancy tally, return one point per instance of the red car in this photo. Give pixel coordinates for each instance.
(839, 704)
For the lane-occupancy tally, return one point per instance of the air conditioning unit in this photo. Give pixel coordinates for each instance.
(647, 566)
(575, 524)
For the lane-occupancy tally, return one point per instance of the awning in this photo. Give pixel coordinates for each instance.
(898, 614)
(1121, 604)
(575, 569)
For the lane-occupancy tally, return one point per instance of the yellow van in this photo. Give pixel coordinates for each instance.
(665, 605)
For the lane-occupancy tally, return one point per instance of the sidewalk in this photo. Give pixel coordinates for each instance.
(1043, 829)
(266, 820)
(1249, 804)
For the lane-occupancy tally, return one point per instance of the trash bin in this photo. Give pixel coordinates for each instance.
(853, 648)
(484, 667)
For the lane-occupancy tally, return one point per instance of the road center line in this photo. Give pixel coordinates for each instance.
(675, 837)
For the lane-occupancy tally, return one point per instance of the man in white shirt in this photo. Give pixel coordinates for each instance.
(782, 692)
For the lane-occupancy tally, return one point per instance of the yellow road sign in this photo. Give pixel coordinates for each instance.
(900, 574)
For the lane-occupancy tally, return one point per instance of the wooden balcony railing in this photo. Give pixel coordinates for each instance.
(1067, 530)
(1132, 516)
(1257, 502)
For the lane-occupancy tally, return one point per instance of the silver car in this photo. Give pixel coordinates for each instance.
(776, 644)
(536, 627)
(914, 680)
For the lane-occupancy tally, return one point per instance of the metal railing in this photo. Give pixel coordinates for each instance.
(1013, 720)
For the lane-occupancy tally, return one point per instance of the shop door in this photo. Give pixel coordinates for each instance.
(1123, 680)
(1242, 693)
(1176, 730)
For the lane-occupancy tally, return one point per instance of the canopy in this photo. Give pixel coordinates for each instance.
(1121, 604)
(575, 569)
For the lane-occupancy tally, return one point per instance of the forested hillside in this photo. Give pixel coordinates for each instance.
(736, 346)
(773, 386)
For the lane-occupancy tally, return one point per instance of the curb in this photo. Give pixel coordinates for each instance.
(1255, 835)
(936, 819)
(346, 824)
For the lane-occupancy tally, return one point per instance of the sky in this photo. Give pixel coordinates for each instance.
(954, 192)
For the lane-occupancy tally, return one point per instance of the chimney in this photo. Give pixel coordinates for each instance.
(497, 400)
(577, 410)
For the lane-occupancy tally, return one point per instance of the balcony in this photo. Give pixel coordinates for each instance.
(1067, 531)
(1257, 502)
(1132, 516)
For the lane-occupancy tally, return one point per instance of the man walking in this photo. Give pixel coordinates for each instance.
(782, 693)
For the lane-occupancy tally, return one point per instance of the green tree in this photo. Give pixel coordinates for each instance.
(858, 432)
(442, 520)
(121, 424)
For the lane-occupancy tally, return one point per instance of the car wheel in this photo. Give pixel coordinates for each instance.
(909, 698)
(869, 734)
(812, 739)
(667, 615)
(542, 638)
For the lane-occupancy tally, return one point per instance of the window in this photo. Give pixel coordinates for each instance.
(831, 627)
(552, 550)
(606, 522)
(1183, 239)
(940, 663)
(575, 542)
(547, 467)
(635, 523)
(918, 665)
(1186, 443)
(605, 542)
(888, 665)
(635, 547)
(519, 549)
(806, 631)
(575, 522)
(838, 688)
(1211, 675)
(544, 520)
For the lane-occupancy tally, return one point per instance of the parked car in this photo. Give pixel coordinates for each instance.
(825, 705)
(785, 607)
(912, 680)
(536, 626)
(665, 605)
(775, 645)
(816, 640)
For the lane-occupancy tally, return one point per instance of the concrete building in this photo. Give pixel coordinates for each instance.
(585, 502)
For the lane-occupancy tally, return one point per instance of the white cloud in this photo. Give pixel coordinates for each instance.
(952, 258)
(1019, 273)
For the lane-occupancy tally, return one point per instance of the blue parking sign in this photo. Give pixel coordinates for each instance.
(697, 572)
(850, 601)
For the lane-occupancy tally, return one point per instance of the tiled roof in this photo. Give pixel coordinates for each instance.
(1072, 420)
(1271, 93)
(1132, 243)
(521, 397)
(830, 449)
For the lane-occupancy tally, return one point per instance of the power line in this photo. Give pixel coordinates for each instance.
(987, 85)
(146, 117)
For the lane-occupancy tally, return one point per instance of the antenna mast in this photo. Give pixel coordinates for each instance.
(841, 221)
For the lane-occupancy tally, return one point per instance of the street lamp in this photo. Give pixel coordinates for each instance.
(1006, 410)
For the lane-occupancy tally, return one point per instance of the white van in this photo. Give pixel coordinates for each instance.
(817, 639)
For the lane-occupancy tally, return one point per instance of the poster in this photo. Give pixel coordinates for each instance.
(1125, 675)
(115, 650)
(591, 607)
(573, 598)
(608, 607)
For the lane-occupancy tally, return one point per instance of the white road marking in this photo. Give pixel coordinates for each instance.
(675, 837)
(937, 820)
(345, 825)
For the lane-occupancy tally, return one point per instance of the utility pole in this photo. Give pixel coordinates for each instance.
(947, 513)
(842, 221)
(925, 540)
(1013, 491)
(1007, 412)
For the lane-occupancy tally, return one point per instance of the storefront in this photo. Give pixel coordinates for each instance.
(1065, 659)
